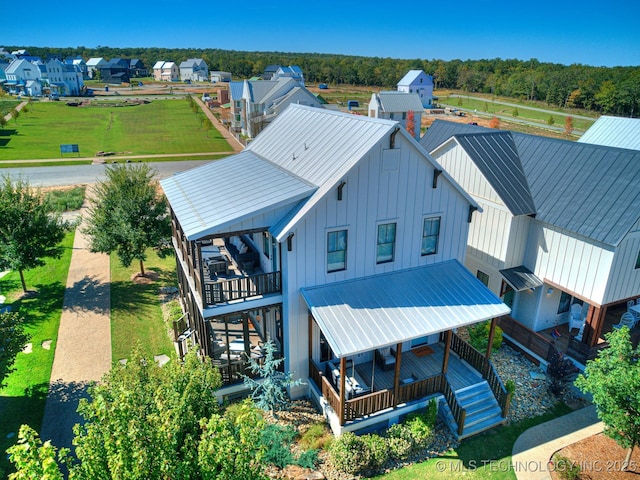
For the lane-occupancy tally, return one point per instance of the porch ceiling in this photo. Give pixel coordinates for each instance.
(362, 314)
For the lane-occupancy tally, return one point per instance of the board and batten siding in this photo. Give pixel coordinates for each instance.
(575, 263)
(385, 186)
(624, 279)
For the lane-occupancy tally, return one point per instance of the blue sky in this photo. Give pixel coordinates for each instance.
(601, 33)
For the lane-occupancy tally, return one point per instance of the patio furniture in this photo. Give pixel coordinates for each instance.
(576, 320)
(627, 319)
(386, 358)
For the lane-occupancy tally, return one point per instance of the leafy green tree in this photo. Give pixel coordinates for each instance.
(30, 231)
(35, 460)
(129, 215)
(144, 421)
(270, 393)
(12, 340)
(3, 122)
(551, 120)
(613, 378)
(15, 114)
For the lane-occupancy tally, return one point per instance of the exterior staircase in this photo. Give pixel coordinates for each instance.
(483, 411)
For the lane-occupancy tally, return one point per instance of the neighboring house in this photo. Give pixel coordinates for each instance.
(561, 225)
(19, 73)
(338, 238)
(115, 71)
(269, 72)
(166, 71)
(292, 71)
(619, 132)
(194, 70)
(62, 78)
(416, 81)
(137, 68)
(396, 106)
(80, 64)
(94, 64)
(261, 100)
(218, 77)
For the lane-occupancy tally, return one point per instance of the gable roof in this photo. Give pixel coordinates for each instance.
(392, 101)
(591, 190)
(411, 76)
(293, 162)
(614, 132)
(158, 64)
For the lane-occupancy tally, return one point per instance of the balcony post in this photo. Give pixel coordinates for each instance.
(396, 375)
(492, 332)
(343, 372)
(447, 348)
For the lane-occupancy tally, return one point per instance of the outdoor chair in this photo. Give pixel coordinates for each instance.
(576, 320)
(627, 319)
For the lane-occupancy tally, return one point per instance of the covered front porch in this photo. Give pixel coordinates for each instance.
(380, 346)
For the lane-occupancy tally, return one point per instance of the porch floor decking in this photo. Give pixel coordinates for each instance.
(460, 374)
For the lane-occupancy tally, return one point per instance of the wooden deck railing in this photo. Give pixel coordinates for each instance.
(420, 388)
(242, 288)
(459, 413)
(526, 337)
(478, 361)
(368, 404)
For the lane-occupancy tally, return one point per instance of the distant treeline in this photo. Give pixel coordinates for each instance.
(608, 90)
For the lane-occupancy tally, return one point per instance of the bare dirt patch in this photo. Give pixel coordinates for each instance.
(600, 458)
(149, 277)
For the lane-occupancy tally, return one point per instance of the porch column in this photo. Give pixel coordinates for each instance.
(593, 325)
(447, 348)
(396, 374)
(492, 332)
(310, 334)
(343, 372)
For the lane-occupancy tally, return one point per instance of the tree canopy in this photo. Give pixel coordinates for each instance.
(30, 231)
(608, 90)
(613, 378)
(129, 215)
(145, 421)
(12, 340)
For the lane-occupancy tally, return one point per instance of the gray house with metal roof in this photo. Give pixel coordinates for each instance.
(396, 106)
(560, 225)
(339, 239)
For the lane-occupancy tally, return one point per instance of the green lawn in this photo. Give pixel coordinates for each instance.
(160, 127)
(23, 398)
(523, 113)
(136, 314)
(486, 456)
(7, 104)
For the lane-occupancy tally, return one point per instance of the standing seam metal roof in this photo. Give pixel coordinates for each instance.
(399, 102)
(362, 314)
(614, 132)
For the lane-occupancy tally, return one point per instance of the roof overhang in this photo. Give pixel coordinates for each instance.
(360, 315)
(520, 278)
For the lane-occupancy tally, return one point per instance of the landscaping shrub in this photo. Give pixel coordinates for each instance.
(66, 200)
(419, 427)
(400, 442)
(316, 437)
(378, 450)
(560, 371)
(479, 336)
(277, 440)
(349, 453)
(307, 459)
(565, 468)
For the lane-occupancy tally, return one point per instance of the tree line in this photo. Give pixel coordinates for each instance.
(608, 90)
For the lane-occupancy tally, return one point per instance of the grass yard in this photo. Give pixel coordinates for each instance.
(22, 400)
(159, 127)
(136, 313)
(486, 456)
(523, 113)
(7, 104)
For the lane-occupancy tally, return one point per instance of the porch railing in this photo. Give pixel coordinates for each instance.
(242, 288)
(459, 413)
(478, 361)
(368, 404)
(420, 388)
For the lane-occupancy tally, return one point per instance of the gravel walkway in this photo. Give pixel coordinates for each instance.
(83, 350)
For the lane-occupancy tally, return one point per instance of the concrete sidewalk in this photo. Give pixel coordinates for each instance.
(534, 448)
(83, 350)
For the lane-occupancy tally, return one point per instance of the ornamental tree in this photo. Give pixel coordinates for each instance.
(30, 231)
(129, 215)
(613, 378)
(12, 340)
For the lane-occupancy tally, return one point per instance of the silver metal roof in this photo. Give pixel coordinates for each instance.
(208, 198)
(411, 76)
(520, 278)
(399, 102)
(614, 132)
(362, 314)
(591, 190)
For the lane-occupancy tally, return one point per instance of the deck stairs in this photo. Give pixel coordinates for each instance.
(483, 410)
